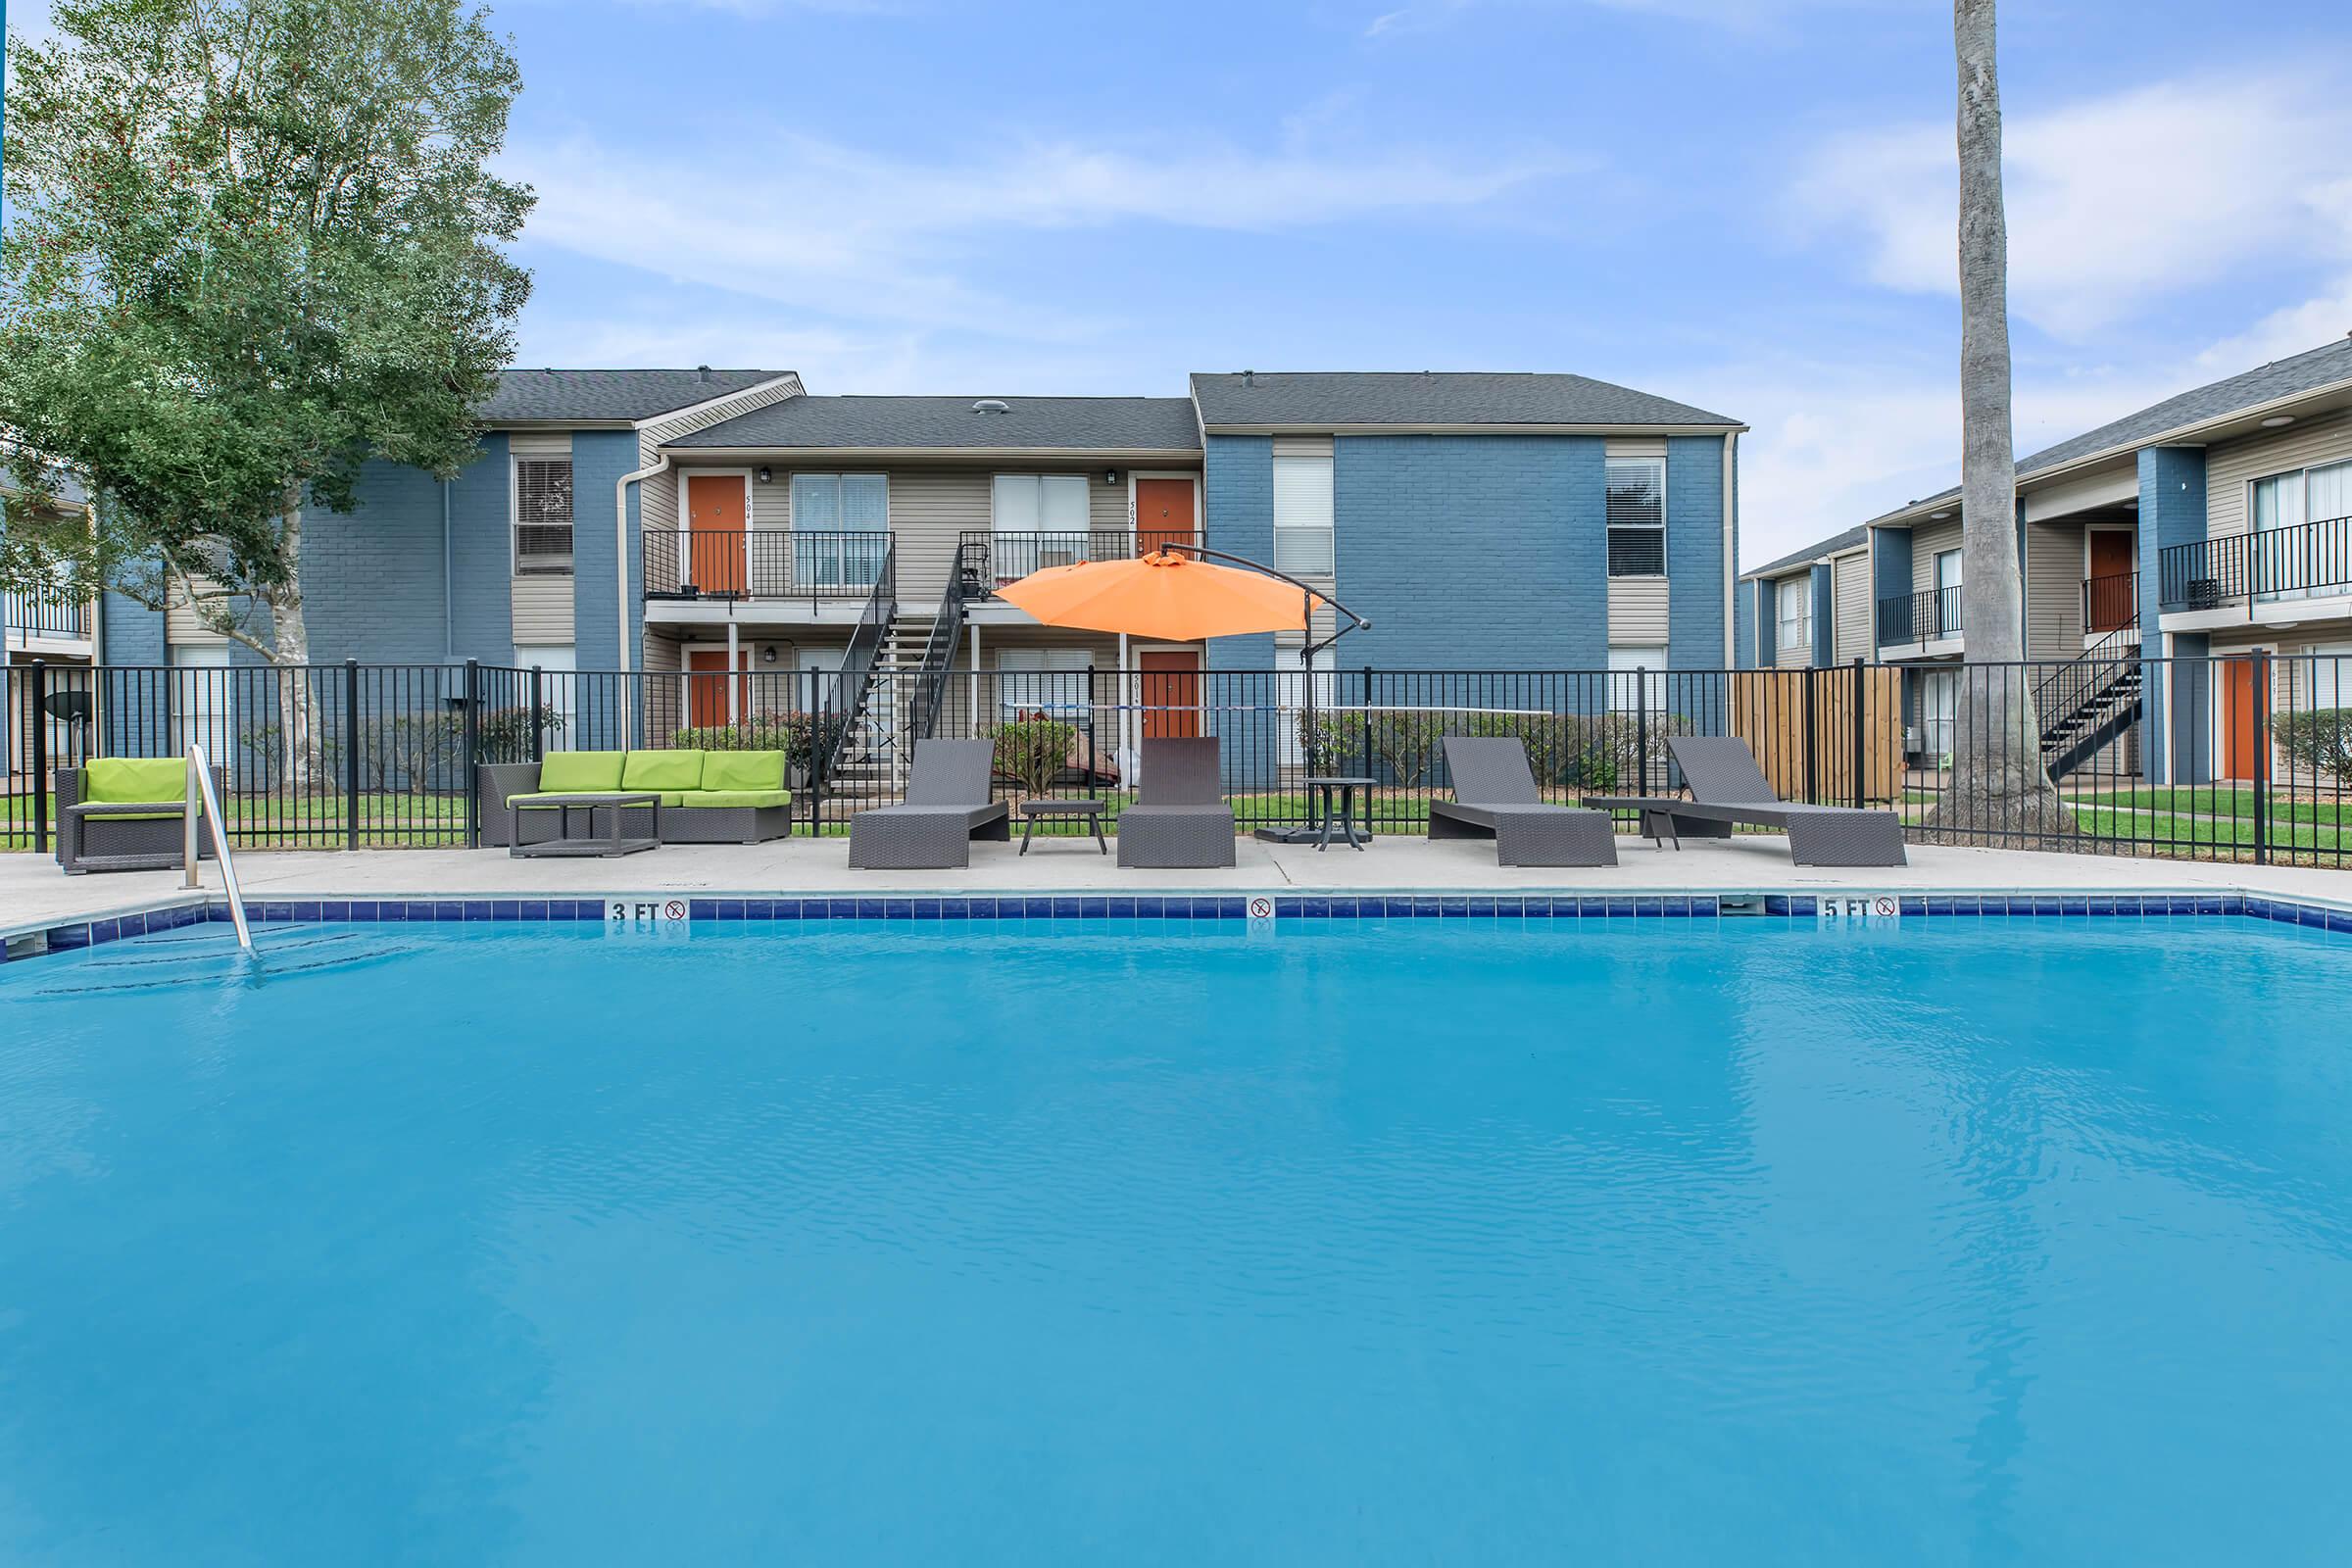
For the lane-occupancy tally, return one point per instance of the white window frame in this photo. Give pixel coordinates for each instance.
(1608, 528)
(1060, 662)
(1624, 659)
(1023, 545)
(1959, 560)
(515, 524)
(558, 664)
(1803, 583)
(821, 563)
(1306, 543)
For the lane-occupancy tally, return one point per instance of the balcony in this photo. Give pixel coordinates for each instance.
(2111, 602)
(2250, 568)
(988, 561)
(47, 617)
(1931, 615)
(730, 566)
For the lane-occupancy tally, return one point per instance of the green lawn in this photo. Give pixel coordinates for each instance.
(2223, 800)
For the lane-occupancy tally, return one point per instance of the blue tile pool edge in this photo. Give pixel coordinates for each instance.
(67, 936)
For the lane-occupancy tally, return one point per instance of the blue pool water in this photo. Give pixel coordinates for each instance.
(1147, 1244)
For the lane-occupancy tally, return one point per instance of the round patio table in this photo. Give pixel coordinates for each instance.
(1345, 788)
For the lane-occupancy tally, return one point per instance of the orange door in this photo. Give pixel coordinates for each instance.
(707, 686)
(2241, 719)
(714, 522)
(1163, 513)
(2111, 566)
(1171, 694)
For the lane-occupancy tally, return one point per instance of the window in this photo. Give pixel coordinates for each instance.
(1947, 568)
(1047, 681)
(1626, 690)
(542, 516)
(825, 509)
(1303, 514)
(557, 663)
(1796, 617)
(1040, 520)
(1637, 513)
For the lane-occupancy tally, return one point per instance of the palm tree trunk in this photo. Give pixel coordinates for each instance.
(1999, 784)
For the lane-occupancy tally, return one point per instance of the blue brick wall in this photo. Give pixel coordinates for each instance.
(1237, 516)
(1744, 622)
(1824, 618)
(2172, 512)
(1890, 570)
(1477, 551)
(372, 578)
(1696, 558)
(132, 634)
(599, 458)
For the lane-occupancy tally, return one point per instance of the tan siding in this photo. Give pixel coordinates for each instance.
(1106, 505)
(1927, 541)
(1850, 599)
(543, 610)
(181, 627)
(661, 655)
(2053, 590)
(1302, 446)
(1637, 610)
(658, 499)
(928, 510)
(539, 443)
(2232, 465)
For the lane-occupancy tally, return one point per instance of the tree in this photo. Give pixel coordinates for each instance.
(255, 243)
(1998, 780)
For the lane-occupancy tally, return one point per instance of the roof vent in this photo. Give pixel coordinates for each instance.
(992, 406)
(702, 373)
(1248, 379)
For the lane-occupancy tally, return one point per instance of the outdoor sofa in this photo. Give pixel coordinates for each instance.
(128, 814)
(707, 797)
(1495, 796)
(1180, 818)
(1727, 789)
(947, 807)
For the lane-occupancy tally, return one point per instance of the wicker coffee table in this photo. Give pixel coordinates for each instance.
(567, 843)
(1092, 811)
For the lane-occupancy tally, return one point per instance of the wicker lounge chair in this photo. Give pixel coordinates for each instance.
(1180, 818)
(1495, 796)
(128, 814)
(1726, 788)
(947, 807)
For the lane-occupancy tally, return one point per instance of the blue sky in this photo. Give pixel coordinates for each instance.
(1745, 204)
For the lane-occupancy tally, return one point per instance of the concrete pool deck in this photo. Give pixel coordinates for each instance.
(34, 895)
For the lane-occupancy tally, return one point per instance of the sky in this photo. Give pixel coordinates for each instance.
(1746, 205)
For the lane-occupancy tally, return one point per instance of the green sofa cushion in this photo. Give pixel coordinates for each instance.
(742, 771)
(719, 799)
(663, 771)
(537, 798)
(579, 772)
(136, 780)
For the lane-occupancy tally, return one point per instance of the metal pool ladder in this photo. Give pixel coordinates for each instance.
(199, 793)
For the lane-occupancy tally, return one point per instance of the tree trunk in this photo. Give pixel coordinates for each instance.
(298, 724)
(1998, 782)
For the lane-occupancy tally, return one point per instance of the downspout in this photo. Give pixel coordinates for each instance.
(620, 569)
(448, 621)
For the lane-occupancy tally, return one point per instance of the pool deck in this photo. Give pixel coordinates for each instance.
(34, 895)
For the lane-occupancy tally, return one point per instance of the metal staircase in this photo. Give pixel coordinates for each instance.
(2090, 703)
(854, 724)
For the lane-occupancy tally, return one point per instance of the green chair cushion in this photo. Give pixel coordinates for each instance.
(536, 800)
(579, 772)
(663, 771)
(719, 799)
(742, 771)
(136, 780)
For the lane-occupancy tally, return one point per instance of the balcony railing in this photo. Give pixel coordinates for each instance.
(27, 615)
(1920, 617)
(988, 561)
(2245, 568)
(763, 563)
(2111, 602)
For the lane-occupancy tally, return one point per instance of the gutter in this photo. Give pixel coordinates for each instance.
(448, 626)
(621, 568)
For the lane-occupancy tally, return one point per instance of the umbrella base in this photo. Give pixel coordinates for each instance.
(1295, 833)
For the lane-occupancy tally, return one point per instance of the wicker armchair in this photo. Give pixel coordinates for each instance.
(122, 836)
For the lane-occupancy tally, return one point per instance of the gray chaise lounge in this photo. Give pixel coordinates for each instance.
(1495, 796)
(128, 814)
(1179, 819)
(1727, 788)
(947, 807)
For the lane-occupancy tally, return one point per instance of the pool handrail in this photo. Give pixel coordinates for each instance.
(199, 794)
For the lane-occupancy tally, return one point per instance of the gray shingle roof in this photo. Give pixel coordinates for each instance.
(1085, 424)
(2218, 400)
(1315, 399)
(604, 396)
(1836, 544)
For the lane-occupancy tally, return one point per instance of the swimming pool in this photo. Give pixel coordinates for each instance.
(1102, 1241)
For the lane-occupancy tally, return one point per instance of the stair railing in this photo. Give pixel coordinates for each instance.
(858, 663)
(200, 801)
(939, 648)
(2072, 698)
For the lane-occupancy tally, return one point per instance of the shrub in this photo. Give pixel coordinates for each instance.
(802, 737)
(507, 731)
(1330, 740)
(1406, 743)
(1031, 751)
(2319, 740)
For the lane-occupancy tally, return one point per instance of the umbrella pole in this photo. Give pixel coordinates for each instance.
(1287, 833)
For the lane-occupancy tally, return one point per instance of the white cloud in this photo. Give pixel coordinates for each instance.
(849, 233)
(2114, 203)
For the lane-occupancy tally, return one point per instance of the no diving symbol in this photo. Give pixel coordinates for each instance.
(674, 909)
(1883, 906)
(1261, 908)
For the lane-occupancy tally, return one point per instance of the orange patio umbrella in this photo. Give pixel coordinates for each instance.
(1164, 595)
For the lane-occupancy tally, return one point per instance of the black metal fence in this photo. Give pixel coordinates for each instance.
(2253, 762)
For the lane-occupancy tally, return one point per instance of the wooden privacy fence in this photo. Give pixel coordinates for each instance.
(1802, 725)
